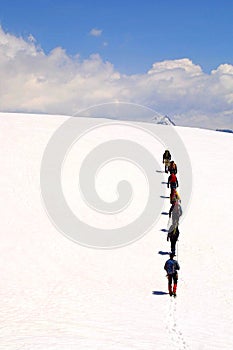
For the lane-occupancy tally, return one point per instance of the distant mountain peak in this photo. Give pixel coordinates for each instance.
(163, 120)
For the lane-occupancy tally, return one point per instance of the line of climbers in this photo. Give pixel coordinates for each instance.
(171, 266)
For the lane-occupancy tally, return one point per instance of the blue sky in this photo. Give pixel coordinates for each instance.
(134, 34)
(174, 56)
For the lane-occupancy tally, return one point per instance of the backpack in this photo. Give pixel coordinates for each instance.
(172, 178)
(177, 211)
(170, 267)
(173, 167)
(167, 155)
(173, 196)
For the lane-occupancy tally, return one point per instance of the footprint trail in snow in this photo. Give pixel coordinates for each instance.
(176, 336)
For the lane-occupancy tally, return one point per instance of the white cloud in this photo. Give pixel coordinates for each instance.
(32, 81)
(96, 32)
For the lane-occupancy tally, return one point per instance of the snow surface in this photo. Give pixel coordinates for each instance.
(56, 294)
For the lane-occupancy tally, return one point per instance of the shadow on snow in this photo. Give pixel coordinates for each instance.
(157, 292)
(163, 253)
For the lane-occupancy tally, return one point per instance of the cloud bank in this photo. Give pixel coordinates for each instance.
(56, 83)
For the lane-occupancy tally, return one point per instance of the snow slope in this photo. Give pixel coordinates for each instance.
(56, 294)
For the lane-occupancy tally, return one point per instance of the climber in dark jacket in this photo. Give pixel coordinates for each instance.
(171, 266)
(166, 159)
(173, 235)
